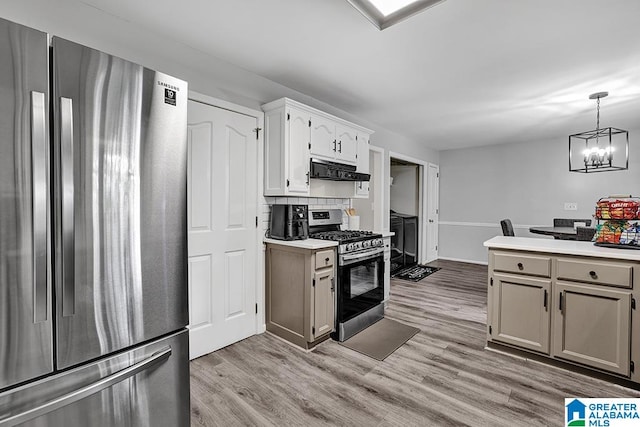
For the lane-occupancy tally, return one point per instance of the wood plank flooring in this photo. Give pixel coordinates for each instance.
(443, 376)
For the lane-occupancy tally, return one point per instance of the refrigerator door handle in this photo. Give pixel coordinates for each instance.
(76, 395)
(39, 206)
(66, 178)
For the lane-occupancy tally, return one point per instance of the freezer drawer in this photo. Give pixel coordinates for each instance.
(147, 386)
(120, 173)
(26, 341)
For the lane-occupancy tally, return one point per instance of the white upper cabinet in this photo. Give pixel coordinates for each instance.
(362, 164)
(333, 141)
(295, 133)
(286, 154)
(323, 138)
(347, 144)
(298, 126)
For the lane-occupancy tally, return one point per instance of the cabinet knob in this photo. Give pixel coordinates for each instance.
(520, 266)
(593, 274)
(326, 260)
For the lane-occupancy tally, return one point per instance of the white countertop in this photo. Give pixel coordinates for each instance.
(566, 247)
(304, 244)
(385, 233)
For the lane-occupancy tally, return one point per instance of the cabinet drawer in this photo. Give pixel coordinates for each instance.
(534, 265)
(601, 272)
(324, 258)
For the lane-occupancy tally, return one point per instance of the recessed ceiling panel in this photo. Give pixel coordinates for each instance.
(385, 13)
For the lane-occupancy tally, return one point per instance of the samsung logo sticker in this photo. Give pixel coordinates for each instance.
(168, 86)
(170, 93)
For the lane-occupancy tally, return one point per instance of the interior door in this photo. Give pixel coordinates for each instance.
(26, 342)
(433, 188)
(222, 212)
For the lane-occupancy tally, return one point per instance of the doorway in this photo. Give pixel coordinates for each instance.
(413, 194)
(404, 211)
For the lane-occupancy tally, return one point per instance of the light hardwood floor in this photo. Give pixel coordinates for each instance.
(442, 376)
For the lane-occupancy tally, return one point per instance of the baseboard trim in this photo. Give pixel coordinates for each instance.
(470, 261)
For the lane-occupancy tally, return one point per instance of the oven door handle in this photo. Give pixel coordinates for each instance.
(361, 256)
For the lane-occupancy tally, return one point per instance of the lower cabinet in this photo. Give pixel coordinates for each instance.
(592, 326)
(521, 311)
(322, 303)
(300, 293)
(551, 311)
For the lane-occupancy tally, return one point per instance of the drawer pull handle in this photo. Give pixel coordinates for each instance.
(545, 299)
(593, 274)
(520, 266)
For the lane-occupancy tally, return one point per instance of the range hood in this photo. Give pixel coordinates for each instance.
(322, 169)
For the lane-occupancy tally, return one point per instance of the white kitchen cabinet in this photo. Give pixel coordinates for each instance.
(347, 144)
(362, 164)
(333, 141)
(323, 138)
(295, 133)
(288, 133)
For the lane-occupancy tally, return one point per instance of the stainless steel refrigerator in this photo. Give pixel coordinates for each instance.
(93, 276)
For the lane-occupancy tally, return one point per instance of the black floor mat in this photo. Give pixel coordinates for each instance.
(415, 273)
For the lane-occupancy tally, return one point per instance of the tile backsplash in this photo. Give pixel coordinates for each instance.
(313, 203)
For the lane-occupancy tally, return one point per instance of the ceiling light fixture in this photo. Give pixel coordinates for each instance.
(599, 150)
(385, 13)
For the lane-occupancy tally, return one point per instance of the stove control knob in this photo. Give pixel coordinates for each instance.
(379, 242)
(366, 244)
(357, 245)
(349, 247)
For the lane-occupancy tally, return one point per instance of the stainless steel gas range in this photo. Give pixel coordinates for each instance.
(360, 272)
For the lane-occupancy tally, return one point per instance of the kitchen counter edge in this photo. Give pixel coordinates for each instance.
(564, 247)
(303, 244)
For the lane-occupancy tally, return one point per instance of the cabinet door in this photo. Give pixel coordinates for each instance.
(362, 164)
(323, 138)
(299, 135)
(347, 147)
(362, 189)
(323, 312)
(592, 326)
(520, 311)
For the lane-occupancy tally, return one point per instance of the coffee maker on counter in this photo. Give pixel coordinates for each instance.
(289, 222)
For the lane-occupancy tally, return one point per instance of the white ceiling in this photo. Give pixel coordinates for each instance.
(463, 73)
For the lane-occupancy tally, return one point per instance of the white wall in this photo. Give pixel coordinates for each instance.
(528, 183)
(206, 74)
(404, 191)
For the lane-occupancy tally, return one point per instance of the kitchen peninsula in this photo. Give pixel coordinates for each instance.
(566, 301)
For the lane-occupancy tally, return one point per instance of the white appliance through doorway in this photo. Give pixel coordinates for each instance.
(222, 224)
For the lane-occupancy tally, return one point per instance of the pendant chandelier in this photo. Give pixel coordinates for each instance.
(599, 150)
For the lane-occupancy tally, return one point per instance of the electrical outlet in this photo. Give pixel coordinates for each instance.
(570, 206)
